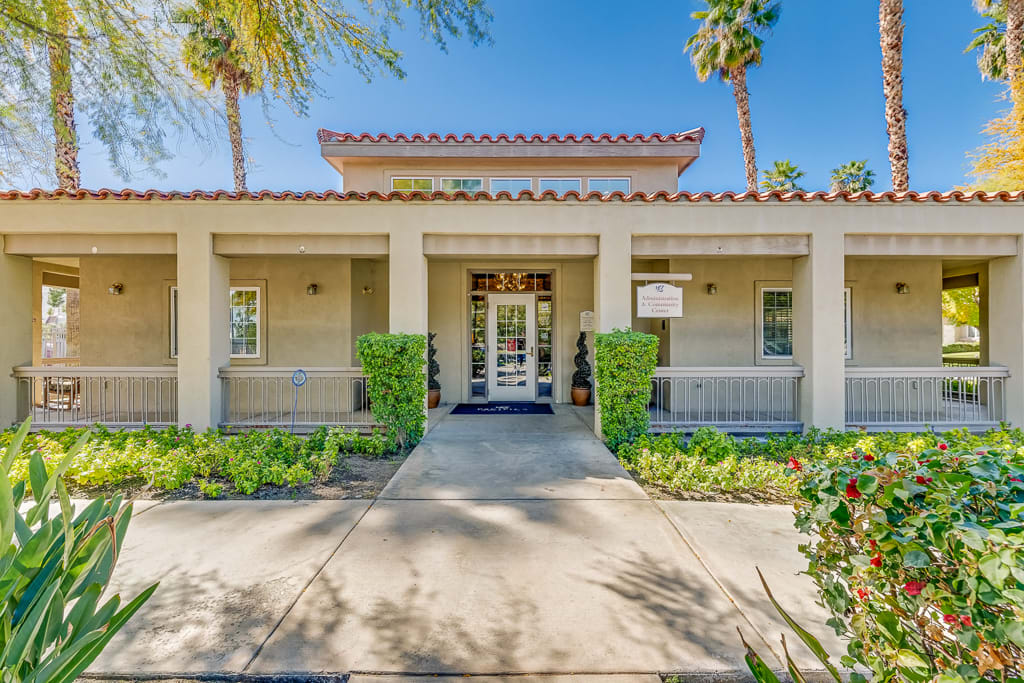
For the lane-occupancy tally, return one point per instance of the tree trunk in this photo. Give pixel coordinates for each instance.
(738, 76)
(231, 95)
(62, 101)
(890, 30)
(1014, 38)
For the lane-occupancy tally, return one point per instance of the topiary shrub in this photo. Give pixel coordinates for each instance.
(625, 363)
(581, 378)
(433, 369)
(920, 558)
(396, 383)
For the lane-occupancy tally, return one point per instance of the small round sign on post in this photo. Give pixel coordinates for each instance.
(298, 380)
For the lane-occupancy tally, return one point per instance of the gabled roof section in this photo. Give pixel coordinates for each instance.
(339, 147)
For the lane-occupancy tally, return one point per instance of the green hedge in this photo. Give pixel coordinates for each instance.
(920, 558)
(397, 384)
(624, 366)
(961, 347)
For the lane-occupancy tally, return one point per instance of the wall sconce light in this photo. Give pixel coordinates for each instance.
(115, 289)
(712, 288)
(311, 289)
(302, 248)
(902, 288)
(367, 290)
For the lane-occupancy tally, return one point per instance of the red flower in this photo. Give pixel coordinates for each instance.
(794, 464)
(943, 447)
(876, 561)
(855, 456)
(980, 452)
(862, 593)
(922, 480)
(914, 587)
(949, 618)
(966, 620)
(851, 489)
(873, 542)
(868, 457)
(1016, 479)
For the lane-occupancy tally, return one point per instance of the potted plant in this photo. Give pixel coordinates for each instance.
(581, 378)
(433, 386)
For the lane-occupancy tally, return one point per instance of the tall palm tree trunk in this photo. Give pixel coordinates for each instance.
(231, 94)
(1014, 38)
(890, 30)
(62, 100)
(738, 76)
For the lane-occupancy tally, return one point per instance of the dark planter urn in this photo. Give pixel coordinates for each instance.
(580, 396)
(433, 398)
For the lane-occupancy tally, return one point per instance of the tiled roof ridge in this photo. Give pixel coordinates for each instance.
(955, 196)
(694, 135)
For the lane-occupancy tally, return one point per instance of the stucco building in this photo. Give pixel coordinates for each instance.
(799, 309)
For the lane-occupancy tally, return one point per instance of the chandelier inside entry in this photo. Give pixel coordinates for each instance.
(511, 281)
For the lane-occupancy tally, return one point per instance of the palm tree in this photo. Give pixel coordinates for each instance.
(211, 52)
(1006, 19)
(782, 177)
(854, 176)
(890, 31)
(727, 42)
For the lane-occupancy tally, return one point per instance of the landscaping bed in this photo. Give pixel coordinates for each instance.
(180, 464)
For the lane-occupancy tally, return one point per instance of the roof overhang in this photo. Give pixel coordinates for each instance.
(339, 148)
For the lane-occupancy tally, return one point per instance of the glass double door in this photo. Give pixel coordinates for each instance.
(511, 339)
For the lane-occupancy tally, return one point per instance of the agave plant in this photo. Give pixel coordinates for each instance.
(53, 571)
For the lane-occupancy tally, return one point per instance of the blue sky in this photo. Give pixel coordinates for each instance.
(563, 66)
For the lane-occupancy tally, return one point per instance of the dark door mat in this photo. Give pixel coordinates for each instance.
(502, 409)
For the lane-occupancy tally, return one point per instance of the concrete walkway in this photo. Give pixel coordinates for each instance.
(504, 545)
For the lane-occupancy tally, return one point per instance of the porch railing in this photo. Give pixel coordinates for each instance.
(903, 399)
(58, 397)
(735, 399)
(264, 397)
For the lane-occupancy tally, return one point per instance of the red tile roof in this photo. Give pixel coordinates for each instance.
(323, 135)
(524, 196)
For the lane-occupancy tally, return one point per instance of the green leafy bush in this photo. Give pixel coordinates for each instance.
(170, 458)
(961, 347)
(397, 387)
(665, 461)
(920, 558)
(211, 489)
(624, 367)
(53, 574)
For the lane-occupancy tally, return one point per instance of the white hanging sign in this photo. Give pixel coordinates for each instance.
(659, 300)
(586, 321)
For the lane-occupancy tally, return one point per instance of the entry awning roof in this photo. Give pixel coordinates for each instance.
(684, 147)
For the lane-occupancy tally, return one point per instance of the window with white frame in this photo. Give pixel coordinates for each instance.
(174, 323)
(777, 323)
(559, 185)
(244, 322)
(608, 185)
(411, 184)
(513, 185)
(463, 184)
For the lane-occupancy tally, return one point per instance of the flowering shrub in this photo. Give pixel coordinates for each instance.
(920, 558)
(170, 458)
(702, 466)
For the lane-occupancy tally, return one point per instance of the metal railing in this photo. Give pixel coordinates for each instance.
(915, 398)
(256, 397)
(57, 397)
(735, 399)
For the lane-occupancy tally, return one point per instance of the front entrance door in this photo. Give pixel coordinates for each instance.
(511, 336)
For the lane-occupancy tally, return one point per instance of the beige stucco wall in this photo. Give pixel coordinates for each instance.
(891, 329)
(129, 329)
(369, 309)
(646, 175)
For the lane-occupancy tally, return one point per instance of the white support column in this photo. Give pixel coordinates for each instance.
(818, 318)
(613, 288)
(1005, 330)
(203, 332)
(16, 339)
(407, 285)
